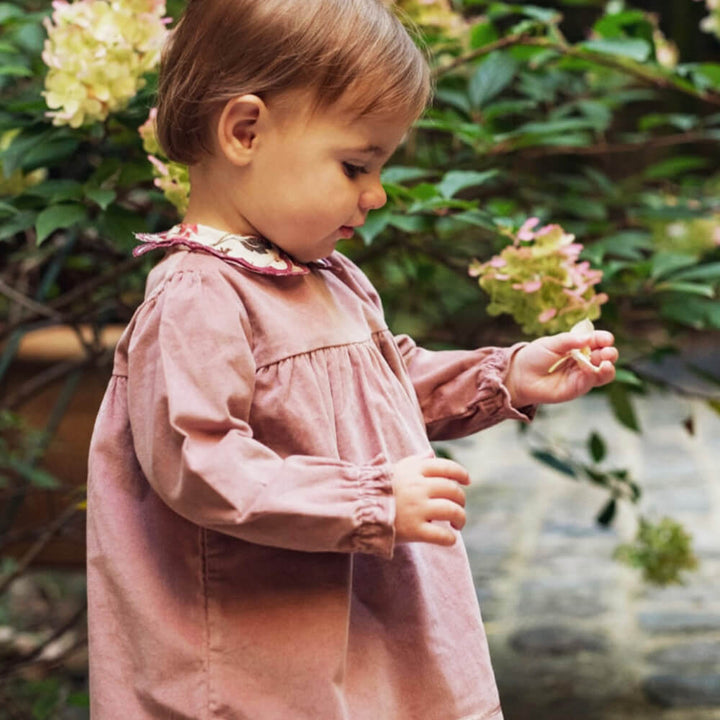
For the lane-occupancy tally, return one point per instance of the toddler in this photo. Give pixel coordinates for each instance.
(269, 534)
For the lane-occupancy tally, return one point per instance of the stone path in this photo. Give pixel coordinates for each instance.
(574, 634)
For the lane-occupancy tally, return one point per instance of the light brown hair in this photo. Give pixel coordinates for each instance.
(221, 49)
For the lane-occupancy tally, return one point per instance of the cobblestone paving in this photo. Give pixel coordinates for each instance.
(575, 635)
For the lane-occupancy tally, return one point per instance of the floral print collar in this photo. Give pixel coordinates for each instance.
(250, 252)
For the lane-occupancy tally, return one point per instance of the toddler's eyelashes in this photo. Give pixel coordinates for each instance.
(352, 171)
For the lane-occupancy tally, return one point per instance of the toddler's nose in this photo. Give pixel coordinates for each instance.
(373, 196)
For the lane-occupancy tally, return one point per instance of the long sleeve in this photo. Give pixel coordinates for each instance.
(190, 391)
(461, 391)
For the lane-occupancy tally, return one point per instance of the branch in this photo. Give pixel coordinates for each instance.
(54, 307)
(53, 529)
(610, 61)
(696, 136)
(16, 664)
(27, 302)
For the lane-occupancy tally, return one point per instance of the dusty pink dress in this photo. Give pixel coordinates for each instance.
(241, 558)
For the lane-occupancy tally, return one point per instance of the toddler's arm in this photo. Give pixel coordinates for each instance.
(461, 391)
(191, 375)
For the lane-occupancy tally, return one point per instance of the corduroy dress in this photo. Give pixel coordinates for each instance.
(241, 555)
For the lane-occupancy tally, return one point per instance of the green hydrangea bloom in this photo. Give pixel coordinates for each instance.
(538, 280)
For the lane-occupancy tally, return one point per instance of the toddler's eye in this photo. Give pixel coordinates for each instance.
(352, 171)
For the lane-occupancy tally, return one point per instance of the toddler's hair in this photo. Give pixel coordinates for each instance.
(350, 49)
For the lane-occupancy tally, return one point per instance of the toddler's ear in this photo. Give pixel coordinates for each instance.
(238, 127)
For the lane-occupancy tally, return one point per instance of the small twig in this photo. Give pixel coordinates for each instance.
(18, 663)
(658, 142)
(71, 296)
(605, 60)
(27, 302)
(40, 381)
(52, 529)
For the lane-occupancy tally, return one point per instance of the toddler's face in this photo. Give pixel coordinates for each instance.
(314, 178)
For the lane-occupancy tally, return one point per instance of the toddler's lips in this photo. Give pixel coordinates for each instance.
(346, 231)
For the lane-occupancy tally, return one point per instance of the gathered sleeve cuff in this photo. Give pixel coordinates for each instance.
(462, 391)
(191, 376)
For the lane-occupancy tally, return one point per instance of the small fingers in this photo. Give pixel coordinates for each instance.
(437, 535)
(440, 467)
(448, 511)
(564, 342)
(606, 353)
(448, 490)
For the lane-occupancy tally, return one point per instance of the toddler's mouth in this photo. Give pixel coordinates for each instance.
(347, 231)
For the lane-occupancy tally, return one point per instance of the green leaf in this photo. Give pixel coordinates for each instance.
(455, 98)
(607, 514)
(614, 24)
(556, 127)
(632, 48)
(552, 460)
(18, 223)
(375, 223)
(477, 218)
(7, 209)
(666, 263)
(397, 174)
(457, 180)
(80, 699)
(58, 217)
(35, 476)
(544, 15)
(491, 77)
(674, 166)
(119, 224)
(409, 223)
(619, 398)
(680, 121)
(15, 71)
(101, 196)
(628, 377)
(56, 191)
(686, 288)
(481, 34)
(695, 312)
(596, 446)
(9, 12)
(628, 245)
(50, 153)
(709, 271)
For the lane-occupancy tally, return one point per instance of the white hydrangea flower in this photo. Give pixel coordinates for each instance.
(97, 53)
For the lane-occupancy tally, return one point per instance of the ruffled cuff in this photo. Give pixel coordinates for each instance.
(494, 398)
(374, 515)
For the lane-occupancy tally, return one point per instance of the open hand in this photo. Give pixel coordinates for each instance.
(428, 490)
(530, 382)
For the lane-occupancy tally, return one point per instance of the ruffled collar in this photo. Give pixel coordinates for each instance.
(250, 252)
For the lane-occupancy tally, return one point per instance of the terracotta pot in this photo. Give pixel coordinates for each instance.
(66, 455)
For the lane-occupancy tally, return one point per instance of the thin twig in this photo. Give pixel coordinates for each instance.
(43, 379)
(52, 529)
(27, 302)
(71, 296)
(18, 663)
(697, 136)
(605, 60)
